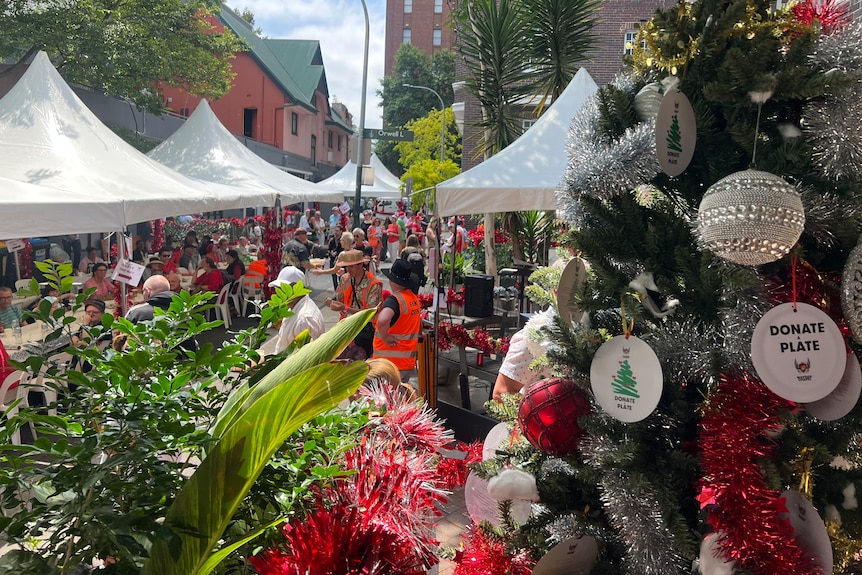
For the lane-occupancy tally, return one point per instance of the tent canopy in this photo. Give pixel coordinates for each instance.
(525, 175)
(386, 186)
(204, 149)
(49, 138)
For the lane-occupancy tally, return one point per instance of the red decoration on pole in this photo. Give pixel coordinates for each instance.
(158, 234)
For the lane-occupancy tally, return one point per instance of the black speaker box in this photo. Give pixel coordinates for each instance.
(479, 295)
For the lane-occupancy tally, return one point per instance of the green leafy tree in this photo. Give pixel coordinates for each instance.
(124, 49)
(491, 39)
(562, 35)
(421, 157)
(402, 105)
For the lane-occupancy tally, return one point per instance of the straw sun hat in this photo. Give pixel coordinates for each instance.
(350, 257)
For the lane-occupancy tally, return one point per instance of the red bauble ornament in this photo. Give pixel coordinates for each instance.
(549, 414)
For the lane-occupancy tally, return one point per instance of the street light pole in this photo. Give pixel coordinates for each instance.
(360, 151)
(439, 230)
(442, 121)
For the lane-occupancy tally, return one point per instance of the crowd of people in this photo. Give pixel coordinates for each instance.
(355, 257)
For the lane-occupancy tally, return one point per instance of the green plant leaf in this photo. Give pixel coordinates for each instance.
(326, 348)
(220, 555)
(210, 497)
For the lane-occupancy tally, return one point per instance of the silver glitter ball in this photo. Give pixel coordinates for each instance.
(750, 218)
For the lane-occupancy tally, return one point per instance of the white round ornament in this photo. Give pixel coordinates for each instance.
(574, 556)
(851, 291)
(482, 507)
(648, 101)
(798, 352)
(808, 529)
(675, 133)
(710, 561)
(499, 434)
(843, 398)
(626, 378)
(750, 218)
(572, 278)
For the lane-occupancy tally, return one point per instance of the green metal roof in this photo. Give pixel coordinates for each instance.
(259, 48)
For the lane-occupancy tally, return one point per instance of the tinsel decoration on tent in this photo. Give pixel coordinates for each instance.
(711, 473)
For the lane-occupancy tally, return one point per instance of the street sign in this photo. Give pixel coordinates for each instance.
(383, 134)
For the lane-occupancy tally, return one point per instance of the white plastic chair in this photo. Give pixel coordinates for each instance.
(222, 309)
(8, 397)
(235, 295)
(251, 288)
(22, 284)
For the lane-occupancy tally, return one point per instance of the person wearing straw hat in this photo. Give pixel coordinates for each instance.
(306, 315)
(358, 289)
(396, 337)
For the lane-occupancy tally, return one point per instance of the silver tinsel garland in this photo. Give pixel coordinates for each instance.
(601, 168)
(635, 514)
(833, 125)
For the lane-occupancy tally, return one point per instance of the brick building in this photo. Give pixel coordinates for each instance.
(423, 23)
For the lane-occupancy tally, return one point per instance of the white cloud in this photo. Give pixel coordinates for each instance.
(339, 25)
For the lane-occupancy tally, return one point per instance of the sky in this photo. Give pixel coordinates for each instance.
(339, 25)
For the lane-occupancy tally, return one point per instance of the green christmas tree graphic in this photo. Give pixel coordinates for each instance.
(624, 383)
(673, 137)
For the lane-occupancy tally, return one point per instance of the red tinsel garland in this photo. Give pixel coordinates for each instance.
(831, 14)
(456, 297)
(272, 237)
(158, 235)
(477, 338)
(733, 439)
(452, 472)
(25, 260)
(485, 556)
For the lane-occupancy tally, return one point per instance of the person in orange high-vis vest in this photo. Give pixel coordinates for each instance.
(398, 323)
(359, 289)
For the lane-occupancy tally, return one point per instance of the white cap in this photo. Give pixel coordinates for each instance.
(288, 275)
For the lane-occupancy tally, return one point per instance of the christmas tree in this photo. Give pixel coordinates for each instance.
(744, 440)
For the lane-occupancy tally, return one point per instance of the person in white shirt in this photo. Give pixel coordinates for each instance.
(86, 265)
(306, 315)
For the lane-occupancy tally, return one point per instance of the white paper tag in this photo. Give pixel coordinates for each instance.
(808, 528)
(675, 133)
(843, 398)
(575, 556)
(15, 245)
(128, 272)
(499, 434)
(800, 355)
(626, 378)
(574, 275)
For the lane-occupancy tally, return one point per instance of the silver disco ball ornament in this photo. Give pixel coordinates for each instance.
(750, 218)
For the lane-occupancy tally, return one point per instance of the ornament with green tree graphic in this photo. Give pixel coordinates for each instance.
(674, 140)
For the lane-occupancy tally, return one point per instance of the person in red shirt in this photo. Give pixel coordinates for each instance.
(393, 231)
(211, 279)
(169, 262)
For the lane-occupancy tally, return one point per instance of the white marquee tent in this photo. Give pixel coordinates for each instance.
(204, 149)
(49, 138)
(386, 185)
(525, 175)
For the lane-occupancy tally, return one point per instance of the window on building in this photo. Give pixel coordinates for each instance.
(408, 6)
(294, 123)
(339, 143)
(405, 38)
(438, 6)
(313, 150)
(438, 37)
(525, 124)
(628, 46)
(329, 139)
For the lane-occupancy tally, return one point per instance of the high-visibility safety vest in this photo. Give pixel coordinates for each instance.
(361, 298)
(406, 332)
